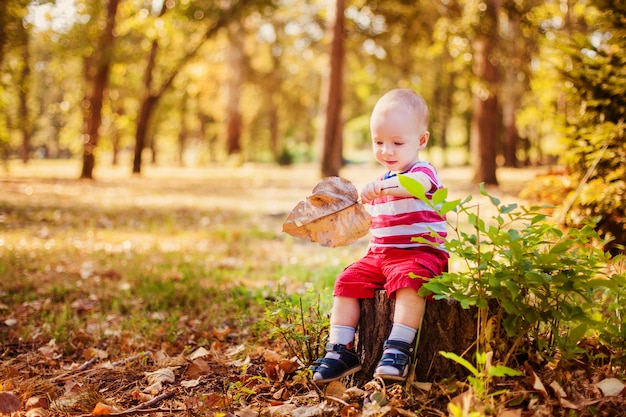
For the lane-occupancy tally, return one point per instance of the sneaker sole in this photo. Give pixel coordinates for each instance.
(346, 373)
(398, 378)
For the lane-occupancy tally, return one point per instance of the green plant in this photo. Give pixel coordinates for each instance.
(300, 321)
(534, 284)
(480, 379)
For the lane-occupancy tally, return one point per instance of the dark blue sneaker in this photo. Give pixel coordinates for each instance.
(343, 361)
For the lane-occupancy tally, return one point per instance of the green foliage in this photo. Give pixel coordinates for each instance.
(595, 68)
(285, 158)
(534, 284)
(301, 322)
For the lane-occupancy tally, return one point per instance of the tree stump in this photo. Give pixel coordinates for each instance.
(446, 327)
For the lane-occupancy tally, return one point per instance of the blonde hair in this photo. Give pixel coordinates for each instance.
(408, 99)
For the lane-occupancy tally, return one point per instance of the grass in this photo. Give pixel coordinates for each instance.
(139, 262)
(174, 239)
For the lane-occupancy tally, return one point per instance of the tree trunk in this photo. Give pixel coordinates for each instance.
(100, 79)
(183, 131)
(485, 120)
(235, 82)
(446, 327)
(24, 89)
(332, 158)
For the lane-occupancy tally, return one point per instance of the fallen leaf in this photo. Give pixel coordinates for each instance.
(558, 389)
(199, 353)
(140, 396)
(271, 356)
(568, 404)
(288, 366)
(160, 375)
(37, 402)
(37, 412)
(282, 410)
(510, 413)
(198, 368)
(331, 216)
(424, 386)
(538, 385)
(610, 387)
(221, 334)
(9, 403)
(306, 411)
(354, 393)
(90, 353)
(349, 411)
(189, 383)
(246, 412)
(335, 389)
(101, 408)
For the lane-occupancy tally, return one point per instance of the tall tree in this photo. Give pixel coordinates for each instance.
(332, 157)
(485, 114)
(97, 69)
(154, 93)
(22, 35)
(235, 84)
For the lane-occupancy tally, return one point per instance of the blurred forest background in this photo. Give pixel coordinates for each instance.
(509, 82)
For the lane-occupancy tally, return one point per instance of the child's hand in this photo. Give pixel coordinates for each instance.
(371, 191)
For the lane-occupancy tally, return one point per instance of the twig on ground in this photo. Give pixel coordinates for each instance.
(144, 408)
(85, 368)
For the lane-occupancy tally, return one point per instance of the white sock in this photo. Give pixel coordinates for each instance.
(339, 335)
(401, 333)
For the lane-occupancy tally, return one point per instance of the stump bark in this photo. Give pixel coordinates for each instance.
(446, 327)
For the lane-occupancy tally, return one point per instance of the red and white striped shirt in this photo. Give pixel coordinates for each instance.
(397, 220)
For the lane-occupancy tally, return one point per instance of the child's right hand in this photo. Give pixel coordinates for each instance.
(371, 191)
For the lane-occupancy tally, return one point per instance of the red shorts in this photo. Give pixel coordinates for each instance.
(390, 270)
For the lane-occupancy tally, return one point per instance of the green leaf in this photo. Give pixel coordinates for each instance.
(483, 191)
(448, 206)
(440, 196)
(500, 370)
(461, 361)
(414, 187)
(578, 332)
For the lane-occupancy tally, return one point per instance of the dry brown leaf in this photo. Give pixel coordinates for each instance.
(335, 389)
(9, 403)
(538, 385)
(221, 334)
(101, 408)
(288, 366)
(160, 375)
(91, 352)
(281, 410)
(190, 383)
(199, 353)
(349, 411)
(37, 412)
(558, 389)
(271, 356)
(198, 368)
(37, 402)
(568, 404)
(510, 413)
(331, 216)
(140, 396)
(70, 386)
(611, 387)
(246, 412)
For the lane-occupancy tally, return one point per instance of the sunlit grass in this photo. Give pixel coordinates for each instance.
(125, 262)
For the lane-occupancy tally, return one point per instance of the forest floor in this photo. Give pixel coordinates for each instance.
(169, 294)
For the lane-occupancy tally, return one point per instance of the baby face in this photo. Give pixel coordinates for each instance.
(396, 137)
